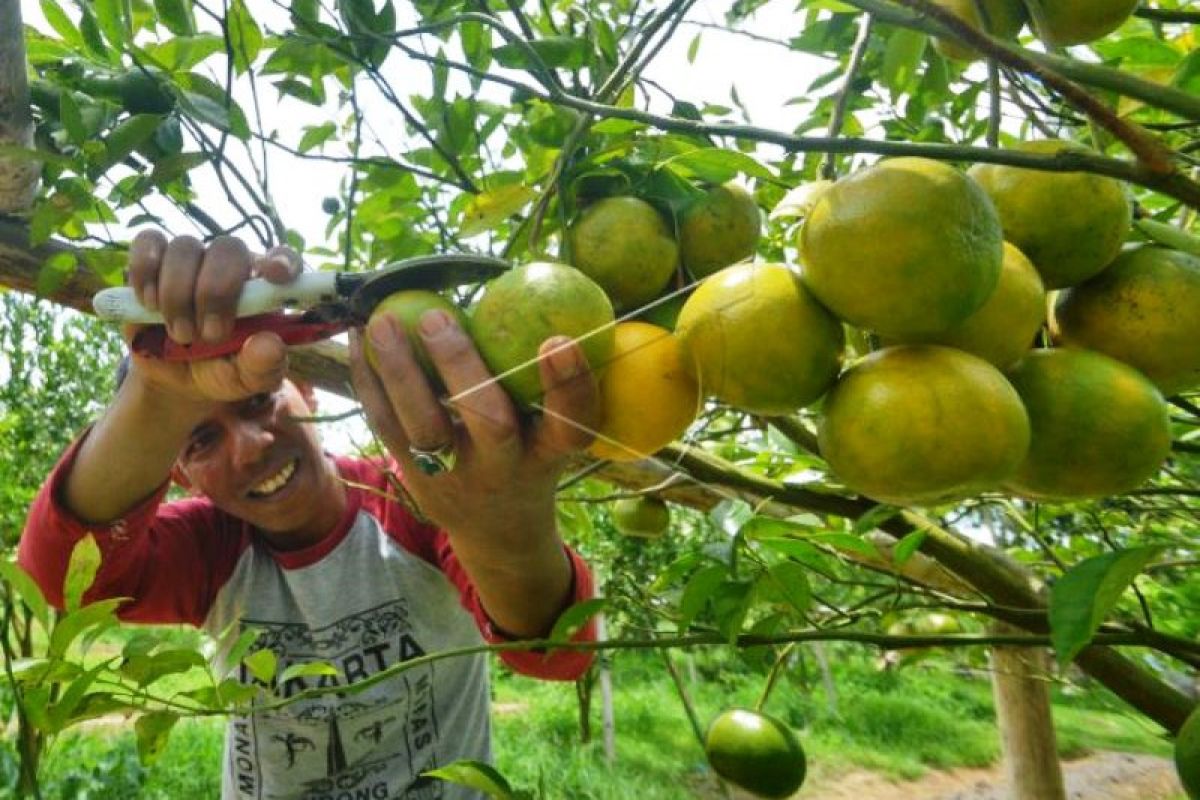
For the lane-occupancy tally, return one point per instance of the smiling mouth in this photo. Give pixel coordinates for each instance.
(276, 482)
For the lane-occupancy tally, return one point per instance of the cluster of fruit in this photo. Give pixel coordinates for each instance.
(1055, 22)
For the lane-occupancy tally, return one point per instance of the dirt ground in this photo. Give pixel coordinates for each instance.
(1100, 776)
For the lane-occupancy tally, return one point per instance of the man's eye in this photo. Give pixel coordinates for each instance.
(258, 402)
(199, 443)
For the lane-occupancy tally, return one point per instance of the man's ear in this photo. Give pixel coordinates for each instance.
(181, 477)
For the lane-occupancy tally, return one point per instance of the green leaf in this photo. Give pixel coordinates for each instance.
(488, 209)
(574, 618)
(27, 590)
(153, 731)
(242, 646)
(873, 519)
(262, 664)
(245, 38)
(308, 669)
(1142, 51)
(125, 138)
(475, 775)
(731, 604)
(110, 17)
(1082, 598)
(72, 120)
(99, 614)
(91, 34)
(61, 23)
(316, 135)
(786, 583)
(846, 541)
(145, 669)
(176, 15)
(554, 51)
(61, 710)
(905, 49)
(699, 589)
(184, 52)
(81, 570)
(907, 547)
(717, 165)
(55, 272)
(693, 49)
(1169, 235)
(172, 167)
(797, 549)
(731, 515)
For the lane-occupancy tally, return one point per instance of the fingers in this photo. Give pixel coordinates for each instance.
(176, 280)
(408, 392)
(145, 256)
(223, 272)
(259, 367)
(368, 388)
(571, 403)
(485, 407)
(279, 265)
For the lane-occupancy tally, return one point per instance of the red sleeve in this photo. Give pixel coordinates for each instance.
(168, 558)
(433, 545)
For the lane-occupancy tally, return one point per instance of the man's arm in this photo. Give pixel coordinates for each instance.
(497, 503)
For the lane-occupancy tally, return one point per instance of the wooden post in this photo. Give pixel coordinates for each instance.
(607, 717)
(1025, 720)
(18, 177)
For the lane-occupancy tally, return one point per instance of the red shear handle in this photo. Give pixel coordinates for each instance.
(153, 342)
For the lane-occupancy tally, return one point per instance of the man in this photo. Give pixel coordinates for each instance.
(322, 555)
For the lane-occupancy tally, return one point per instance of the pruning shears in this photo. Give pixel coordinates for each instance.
(315, 306)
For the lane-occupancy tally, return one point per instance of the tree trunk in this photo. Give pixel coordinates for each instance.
(18, 177)
(583, 693)
(1026, 723)
(608, 721)
(831, 698)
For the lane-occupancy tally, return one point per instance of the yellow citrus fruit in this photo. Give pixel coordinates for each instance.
(1143, 310)
(1064, 22)
(756, 339)
(756, 752)
(626, 246)
(647, 396)
(1070, 224)
(1002, 330)
(922, 425)
(406, 307)
(907, 247)
(1187, 755)
(719, 229)
(1005, 18)
(524, 307)
(644, 516)
(1099, 427)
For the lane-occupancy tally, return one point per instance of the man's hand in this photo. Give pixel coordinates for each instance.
(196, 289)
(497, 503)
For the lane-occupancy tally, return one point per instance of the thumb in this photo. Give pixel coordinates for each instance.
(262, 362)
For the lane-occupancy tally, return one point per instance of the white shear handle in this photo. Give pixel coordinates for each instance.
(258, 296)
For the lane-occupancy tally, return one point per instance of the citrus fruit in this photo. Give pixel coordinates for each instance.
(909, 246)
(1005, 19)
(1002, 330)
(756, 339)
(626, 246)
(1064, 22)
(644, 516)
(1144, 310)
(1099, 426)
(522, 308)
(663, 311)
(922, 425)
(407, 306)
(756, 752)
(647, 396)
(719, 229)
(1187, 755)
(1070, 224)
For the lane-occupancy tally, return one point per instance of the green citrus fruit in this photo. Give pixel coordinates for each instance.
(664, 311)
(1005, 17)
(756, 752)
(1070, 224)
(1065, 22)
(922, 425)
(406, 307)
(1187, 755)
(645, 516)
(1143, 310)
(648, 396)
(907, 247)
(1002, 330)
(524, 307)
(757, 339)
(1099, 426)
(719, 229)
(625, 245)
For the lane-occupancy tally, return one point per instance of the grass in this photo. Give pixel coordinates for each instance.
(899, 723)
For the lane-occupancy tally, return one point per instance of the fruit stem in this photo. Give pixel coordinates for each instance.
(776, 670)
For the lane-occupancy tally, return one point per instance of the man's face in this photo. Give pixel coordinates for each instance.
(253, 460)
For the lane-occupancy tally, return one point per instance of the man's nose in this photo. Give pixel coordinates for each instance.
(249, 443)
